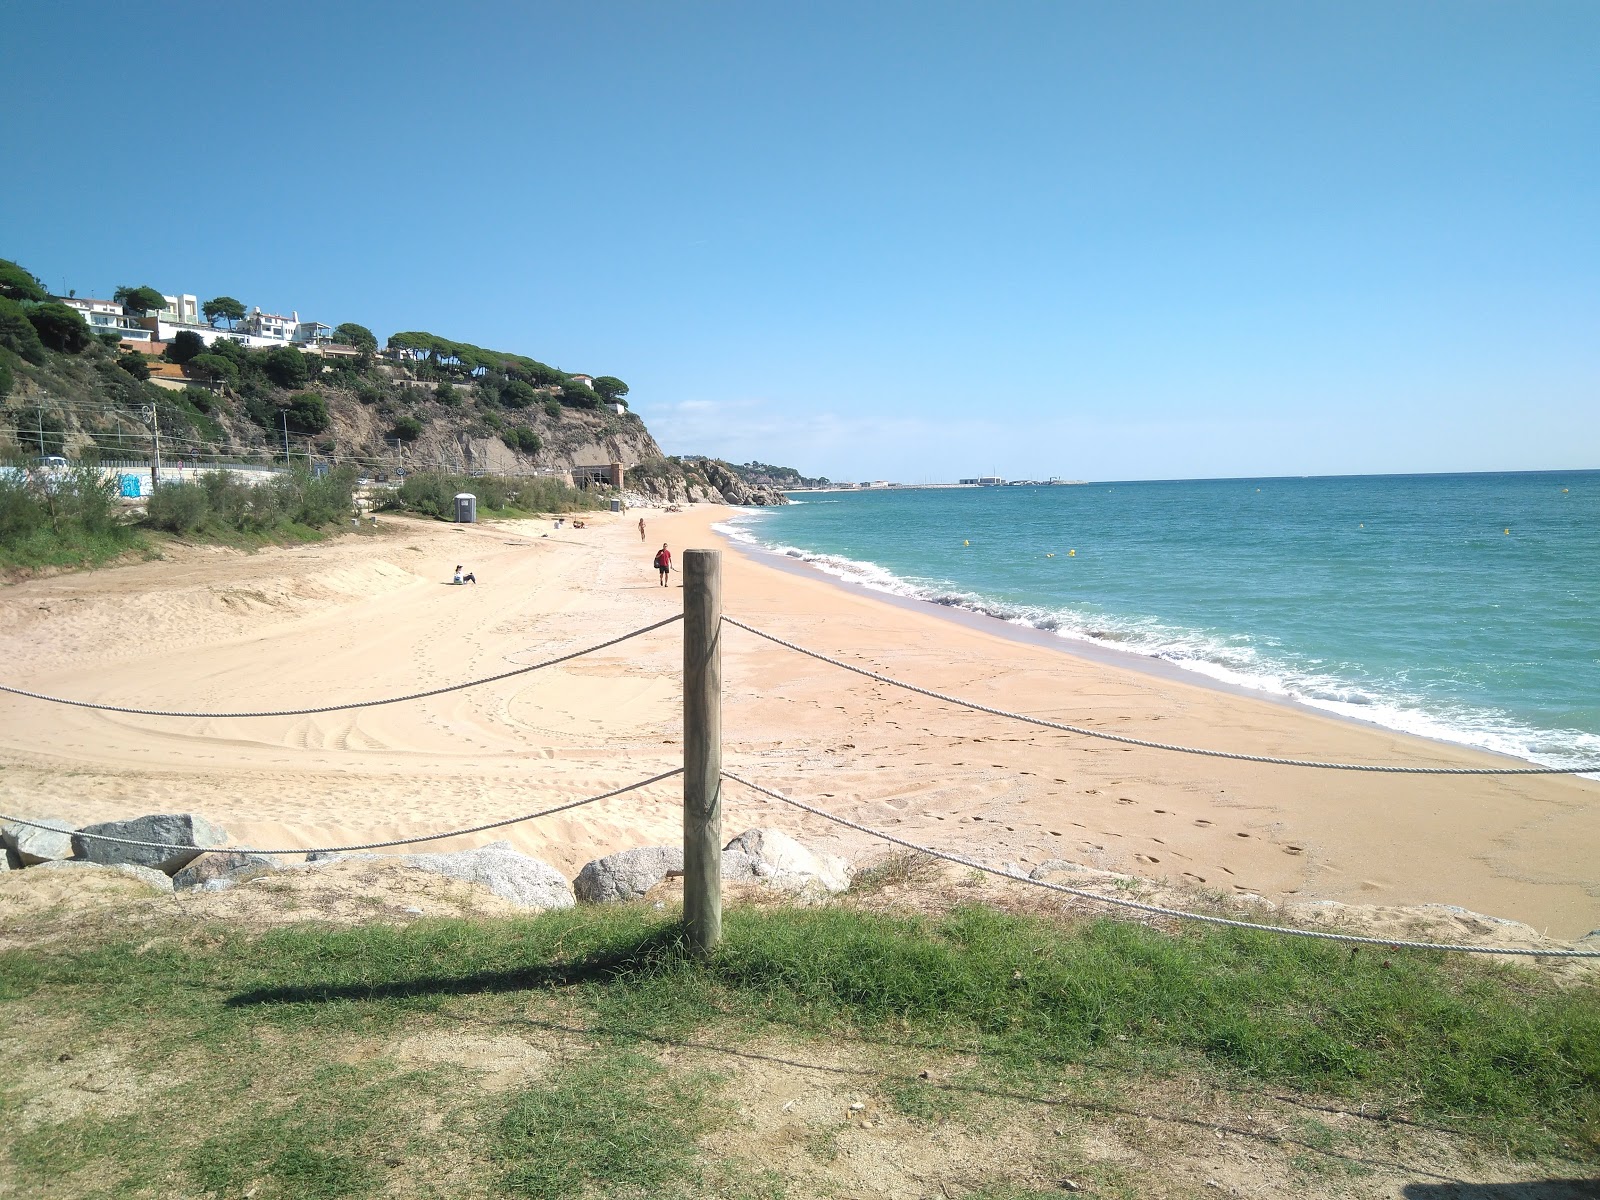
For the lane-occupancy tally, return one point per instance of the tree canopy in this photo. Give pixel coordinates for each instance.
(223, 308)
(308, 413)
(611, 388)
(407, 429)
(214, 368)
(285, 366)
(18, 283)
(61, 328)
(140, 300)
(359, 336)
(184, 346)
(17, 333)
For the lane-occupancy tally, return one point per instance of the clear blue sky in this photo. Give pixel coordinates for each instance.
(910, 241)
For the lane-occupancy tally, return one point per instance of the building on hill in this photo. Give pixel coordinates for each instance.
(107, 316)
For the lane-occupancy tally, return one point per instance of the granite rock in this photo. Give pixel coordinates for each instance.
(156, 879)
(508, 873)
(191, 835)
(32, 845)
(626, 875)
(773, 858)
(222, 868)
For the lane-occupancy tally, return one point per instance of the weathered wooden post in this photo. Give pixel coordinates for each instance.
(702, 748)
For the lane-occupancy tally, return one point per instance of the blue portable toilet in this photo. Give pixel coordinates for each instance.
(129, 487)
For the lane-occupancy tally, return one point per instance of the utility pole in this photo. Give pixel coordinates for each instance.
(702, 748)
(154, 417)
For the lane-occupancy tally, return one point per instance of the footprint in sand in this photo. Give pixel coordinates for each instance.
(1294, 849)
(1193, 876)
(1203, 823)
(1055, 833)
(1147, 858)
(1123, 800)
(1241, 835)
(1091, 791)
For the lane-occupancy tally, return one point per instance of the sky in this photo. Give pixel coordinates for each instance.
(880, 240)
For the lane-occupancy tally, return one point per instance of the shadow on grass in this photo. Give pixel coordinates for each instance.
(648, 953)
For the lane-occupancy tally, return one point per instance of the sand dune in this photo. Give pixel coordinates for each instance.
(365, 617)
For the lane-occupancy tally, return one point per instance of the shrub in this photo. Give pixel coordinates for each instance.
(178, 507)
(214, 368)
(308, 412)
(520, 437)
(135, 365)
(184, 346)
(285, 366)
(552, 409)
(517, 394)
(18, 283)
(60, 328)
(407, 429)
(6, 379)
(17, 333)
(446, 394)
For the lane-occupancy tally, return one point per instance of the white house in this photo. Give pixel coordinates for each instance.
(106, 316)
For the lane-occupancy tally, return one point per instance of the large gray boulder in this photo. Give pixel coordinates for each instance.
(154, 878)
(190, 833)
(222, 868)
(506, 872)
(7, 857)
(626, 875)
(32, 845)
(773, 858)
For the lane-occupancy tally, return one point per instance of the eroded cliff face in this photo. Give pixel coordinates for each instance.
(697, 480)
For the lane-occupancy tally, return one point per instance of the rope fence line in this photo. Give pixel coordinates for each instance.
(330, 708)
(1154, 909)
(1380, 768)
(411, 841)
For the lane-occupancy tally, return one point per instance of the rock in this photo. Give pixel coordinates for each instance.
(509, 874)
(1058, 870)
(222, 868)
(33, 845)
(154, 878)
(772, 857)
(6, 861)
(324, 857)
(191, 833)
(627, 875)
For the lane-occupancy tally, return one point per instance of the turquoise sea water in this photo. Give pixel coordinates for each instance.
(1399, 600)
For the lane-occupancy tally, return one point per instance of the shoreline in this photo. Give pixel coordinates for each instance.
(352, 619)
(1090, 650)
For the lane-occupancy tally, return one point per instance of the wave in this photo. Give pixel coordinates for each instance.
(1228, 661)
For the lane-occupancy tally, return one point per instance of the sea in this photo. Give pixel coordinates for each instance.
(1464, 608)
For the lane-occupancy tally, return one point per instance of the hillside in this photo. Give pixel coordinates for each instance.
(422, 403)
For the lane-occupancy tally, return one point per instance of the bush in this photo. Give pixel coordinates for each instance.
(184, 346)
(434, 493)
(6, 378)
(212, 368)
(285, 366)
(61, 519)
(407, 429)
(447, 395)
(135, 365)
(517, 394)
(552, 409)
(17, 333)
(520, 437)
(308, 413)
(178, 507)
(60, 328)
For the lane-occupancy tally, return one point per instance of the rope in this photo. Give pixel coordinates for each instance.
(306, 712)
(432, 837)
(1149, 745)
(1156, 909)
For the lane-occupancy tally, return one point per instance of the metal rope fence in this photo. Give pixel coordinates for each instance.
(330, 708)
(1154, 909)
(409, 841)
(1380, 768)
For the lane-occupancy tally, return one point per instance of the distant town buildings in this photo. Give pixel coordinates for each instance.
(985, 481)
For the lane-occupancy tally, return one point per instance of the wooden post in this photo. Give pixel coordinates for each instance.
(702, 748)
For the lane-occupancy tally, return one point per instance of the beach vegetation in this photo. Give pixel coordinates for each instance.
(221, 507)
(19, 283)
(135, 364)
(446, 394)
(60, 328)
(308, 412)
(407, 429)
(139, 300)
(222, 308)
(433, 494)
(60, 518)
(212, 368)
(312, 1060)
(520, 437)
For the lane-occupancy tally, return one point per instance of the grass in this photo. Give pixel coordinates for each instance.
(70, 546)
(266, 1061)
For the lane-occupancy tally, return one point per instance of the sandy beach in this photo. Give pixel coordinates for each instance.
(363, 617)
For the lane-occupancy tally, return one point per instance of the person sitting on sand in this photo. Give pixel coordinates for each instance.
(577, 524)
(663, 563)
(465, 577)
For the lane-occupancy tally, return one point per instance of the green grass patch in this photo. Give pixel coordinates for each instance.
(1014, 1015)
(71, 545)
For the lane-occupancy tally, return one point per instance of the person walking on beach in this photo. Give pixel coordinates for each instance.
(663, 563)
(641, 529)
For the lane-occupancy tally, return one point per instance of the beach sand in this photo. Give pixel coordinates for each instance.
(361, 617)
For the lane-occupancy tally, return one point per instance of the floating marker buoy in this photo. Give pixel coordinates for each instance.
(966, 543)
(1565, 490)
(1049, 555)
(1508, 533)
(1072, 554)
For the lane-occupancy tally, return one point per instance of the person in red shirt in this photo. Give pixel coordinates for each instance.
(663, 563)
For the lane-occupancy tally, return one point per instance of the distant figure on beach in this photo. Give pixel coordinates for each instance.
(641, 529)
(558, 522)
(663, 563)
(465, 577)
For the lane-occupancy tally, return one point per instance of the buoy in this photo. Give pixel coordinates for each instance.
(1049, 555)
(966, 543)
(1072, 554)
(1565, 490)
(1508, 533)
(1363, 524)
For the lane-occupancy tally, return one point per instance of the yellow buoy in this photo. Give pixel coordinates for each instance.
(1072, 554)
(966, 543)
(1508, 533)
(1564, 490)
